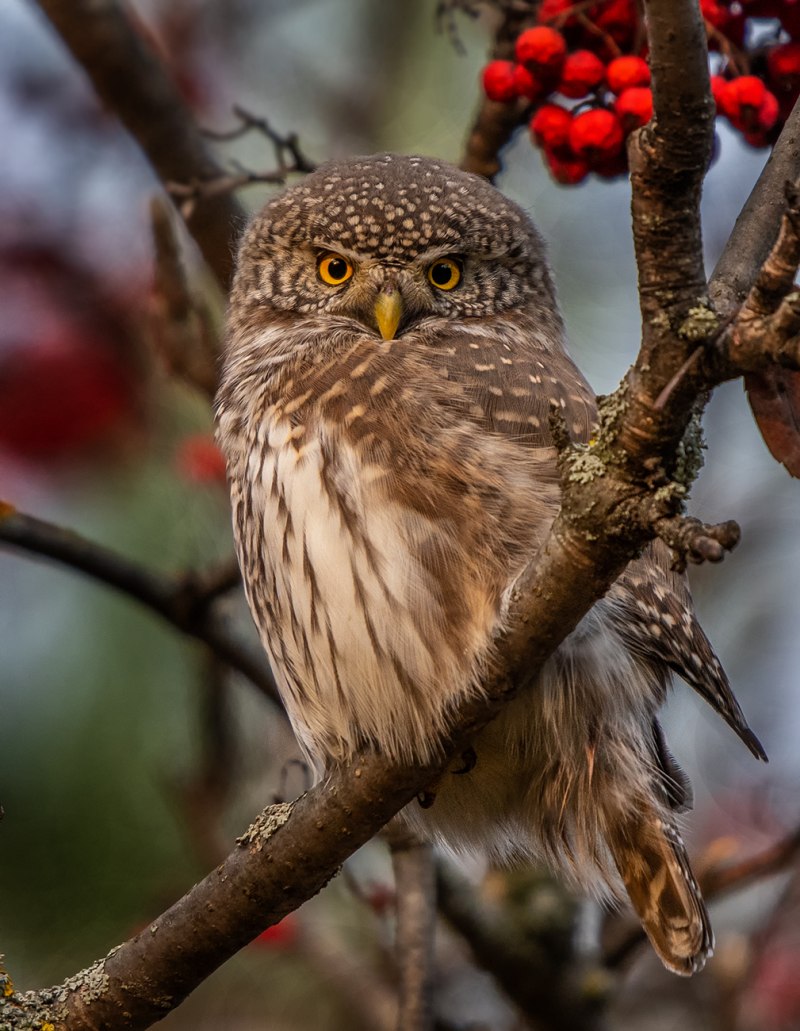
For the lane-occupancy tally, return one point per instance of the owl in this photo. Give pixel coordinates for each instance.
(394, 349)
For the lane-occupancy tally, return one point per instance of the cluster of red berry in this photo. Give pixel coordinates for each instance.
(592, 54)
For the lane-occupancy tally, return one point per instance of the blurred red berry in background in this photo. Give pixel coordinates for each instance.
(70, 379)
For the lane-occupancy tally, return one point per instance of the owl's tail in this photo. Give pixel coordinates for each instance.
(652, 861)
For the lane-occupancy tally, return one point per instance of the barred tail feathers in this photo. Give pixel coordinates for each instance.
(651, 859)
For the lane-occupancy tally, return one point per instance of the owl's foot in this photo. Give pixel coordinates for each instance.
(469, 758)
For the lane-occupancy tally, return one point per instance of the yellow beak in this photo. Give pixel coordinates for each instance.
(388, 312)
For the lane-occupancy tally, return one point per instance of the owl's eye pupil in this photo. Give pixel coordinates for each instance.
(445, 273)
(334, 269)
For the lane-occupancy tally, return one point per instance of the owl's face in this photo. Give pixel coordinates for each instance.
(388, 242)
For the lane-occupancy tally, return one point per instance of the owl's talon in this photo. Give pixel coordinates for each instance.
(426, 799)
(469, 758)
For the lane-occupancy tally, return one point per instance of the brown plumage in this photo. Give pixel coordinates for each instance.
(394, 349)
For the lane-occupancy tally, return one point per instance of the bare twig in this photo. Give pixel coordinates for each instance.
(289, 159)
(183, 602)
(284, 145)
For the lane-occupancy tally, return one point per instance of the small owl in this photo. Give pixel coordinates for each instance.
(393, 353)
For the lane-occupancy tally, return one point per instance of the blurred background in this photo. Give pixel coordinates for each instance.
(127, 759)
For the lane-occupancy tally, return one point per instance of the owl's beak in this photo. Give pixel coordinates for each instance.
(388, 311)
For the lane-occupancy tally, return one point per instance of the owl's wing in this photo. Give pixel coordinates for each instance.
(513, 391)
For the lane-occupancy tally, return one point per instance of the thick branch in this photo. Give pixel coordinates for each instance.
(131, 80)
(668, 160)
(183, 602)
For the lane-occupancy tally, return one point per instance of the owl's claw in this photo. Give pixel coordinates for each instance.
(469, 758)
(426, 799)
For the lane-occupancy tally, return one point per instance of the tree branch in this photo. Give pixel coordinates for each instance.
(415, 902)
(757, 224)
(555, 994)
(184, 602)
(130, 79)
(494, 123)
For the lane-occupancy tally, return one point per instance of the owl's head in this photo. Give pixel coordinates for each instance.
(388, 242)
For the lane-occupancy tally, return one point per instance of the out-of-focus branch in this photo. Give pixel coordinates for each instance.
(184, 602)
(131, 80)
(415, 902)
(494, 123)
(555, 995)
(183, 331)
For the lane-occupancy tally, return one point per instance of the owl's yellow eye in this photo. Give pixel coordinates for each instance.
(445, 273)
(334, 269)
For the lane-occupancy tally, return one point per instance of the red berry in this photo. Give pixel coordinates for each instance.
(550, 128)
(634, 107)
(581, 73)
(783, 63)
(498, 81)
(551, 10)
(612, 167)
(618, 18)
(768, 112)
(596, 135)
(542, 49)
(741, 100)
(282, 935)
(526, 84)
(627, 72)
(199, 459)
(566, 170)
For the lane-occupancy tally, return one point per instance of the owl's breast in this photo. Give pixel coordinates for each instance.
(369, 607)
